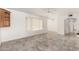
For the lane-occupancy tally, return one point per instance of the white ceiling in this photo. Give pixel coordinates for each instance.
(36, 11)
(44, 11)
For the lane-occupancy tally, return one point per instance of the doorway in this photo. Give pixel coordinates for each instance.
(70, 26)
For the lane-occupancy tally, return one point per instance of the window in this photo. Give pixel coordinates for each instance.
(34, 24)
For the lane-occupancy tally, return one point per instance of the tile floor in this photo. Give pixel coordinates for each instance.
(43, 42)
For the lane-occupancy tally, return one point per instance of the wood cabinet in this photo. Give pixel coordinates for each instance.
(4, 18)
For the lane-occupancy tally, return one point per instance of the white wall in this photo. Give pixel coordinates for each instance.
(52, 23)
(18, 27)
(60, 25)
(56, 24)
